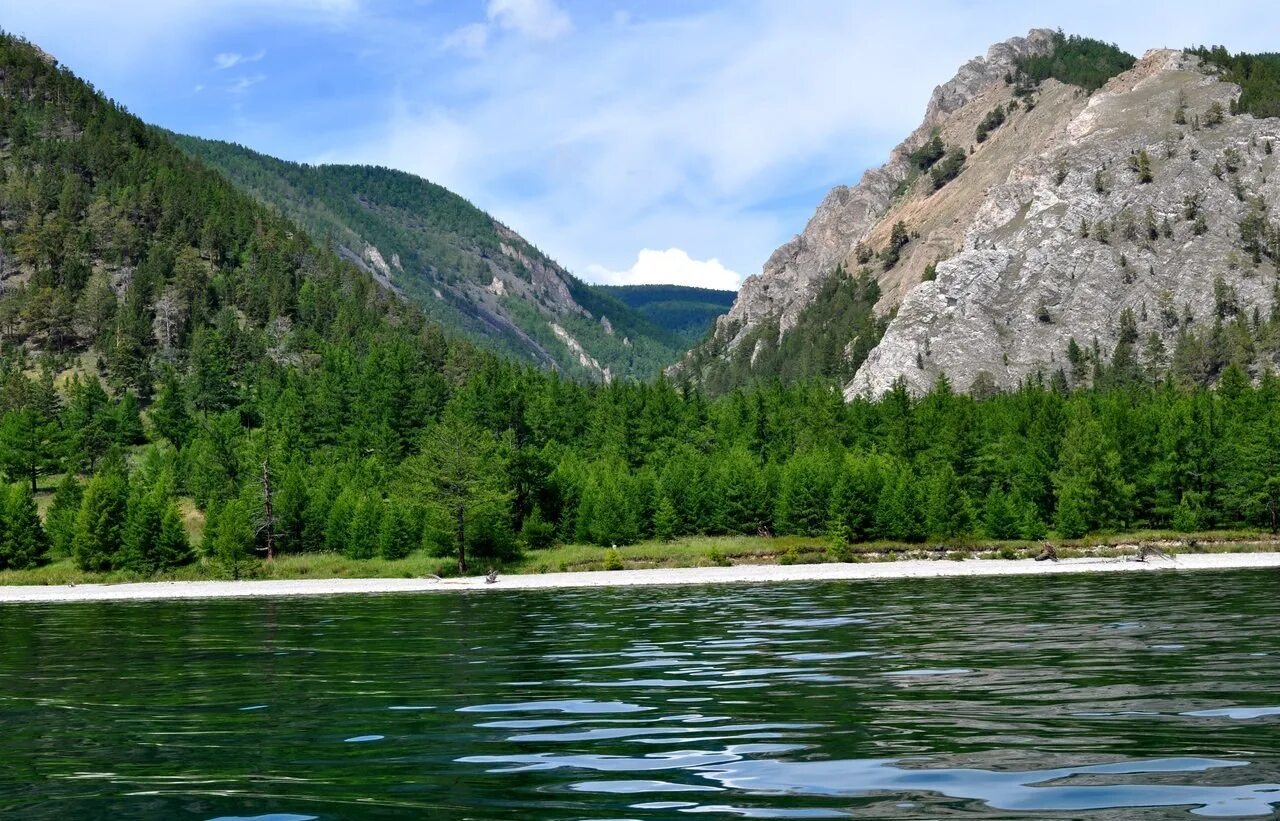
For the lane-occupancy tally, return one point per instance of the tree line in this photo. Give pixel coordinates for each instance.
(366, 458)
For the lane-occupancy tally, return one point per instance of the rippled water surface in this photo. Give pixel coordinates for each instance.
(1119, 696)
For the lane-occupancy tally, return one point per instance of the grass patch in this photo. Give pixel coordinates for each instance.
(693, 551)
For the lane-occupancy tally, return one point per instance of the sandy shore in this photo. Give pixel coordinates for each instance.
(911, 569)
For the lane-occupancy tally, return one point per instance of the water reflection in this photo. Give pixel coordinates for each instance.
(1111, 698)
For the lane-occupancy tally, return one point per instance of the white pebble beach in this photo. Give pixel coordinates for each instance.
(737, 574)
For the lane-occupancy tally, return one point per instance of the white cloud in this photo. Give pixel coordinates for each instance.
(540, 20)
(673, 266)
(469, 40)
(230, 59)
(535, 19)
(243, 84)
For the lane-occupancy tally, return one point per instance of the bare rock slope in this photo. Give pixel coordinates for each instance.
(1050, 232)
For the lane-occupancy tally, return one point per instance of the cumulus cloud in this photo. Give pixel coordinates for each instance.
(673, 266)
(539, 20)
(231, 59)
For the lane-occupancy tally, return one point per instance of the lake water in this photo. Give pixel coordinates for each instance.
(1127, 696)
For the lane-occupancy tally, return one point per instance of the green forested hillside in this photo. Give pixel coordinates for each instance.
(1075, 60)
(685, 311)
(177, 359)
(1258, 76)
(830, 339)
(461, 266)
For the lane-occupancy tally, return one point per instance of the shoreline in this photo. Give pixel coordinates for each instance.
(736, 574)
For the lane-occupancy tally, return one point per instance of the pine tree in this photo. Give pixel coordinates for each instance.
(999, 519)
(233, 538)
(855, 497)
(1072, 519)
(173, 547)
(459, 475)
(337, 527)
(664, 520)
(946, 506)
(141, 532)
(23, 543)
(399, 534)
(169, 415)
(365, 527)
(804, 497)
(29, 445)
(100, 525)
(60, 518)
(899, 515)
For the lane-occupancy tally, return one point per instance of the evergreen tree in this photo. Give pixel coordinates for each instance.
(536, 533)
(946, 505)
(365, 528)
(739, 491)
(23, 543)
(233, 538)
(60, 519)
(999, 519)
(100, 525)
(399, 534)
(29, 445)
(899, 517)
(169, 414)
(664, 520)
(458, 474)
(855, 498)
(804, 497)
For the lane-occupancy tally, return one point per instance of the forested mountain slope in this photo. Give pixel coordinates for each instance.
(178, 359)
(685, 311)
(1062, 207)
(463, 267)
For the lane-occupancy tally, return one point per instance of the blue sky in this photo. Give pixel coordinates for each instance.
(632, 140)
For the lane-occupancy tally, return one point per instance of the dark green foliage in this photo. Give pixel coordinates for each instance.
(830, 340)
(1258, 76)
(664, 520)
(1078, 61)
(100, 524)
(685, 311)
(993, 120)
(924, 157)
(998, 517)
(430, 240)
(947, 169)
(537, 533)
(60, 519)
(154, 538)
(900, 516)
(23, 542)
(230, 536)
(804, 495)
(946, 505)
(458, 475)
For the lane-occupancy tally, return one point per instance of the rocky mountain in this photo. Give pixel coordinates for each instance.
(1060, 205)
(465, 269)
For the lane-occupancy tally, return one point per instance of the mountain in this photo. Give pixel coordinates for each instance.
(463, 267)
(1063, 207)
(685, 311)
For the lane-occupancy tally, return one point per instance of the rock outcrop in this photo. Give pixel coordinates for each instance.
(1079, 209)
(793, 275)
(1071, 236)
